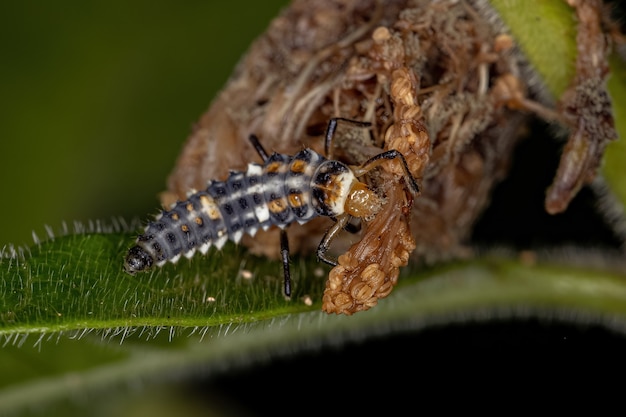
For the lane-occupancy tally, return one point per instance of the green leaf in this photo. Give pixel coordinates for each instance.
(77, 282)
(73, 325)
(71, 291)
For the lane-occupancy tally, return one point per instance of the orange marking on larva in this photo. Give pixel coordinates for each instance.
(214, 213)
(189, 207)
(273, 167)
(198, 221)
(174, 216)
(296, 200)
(298, 166)
(184, 228)
(277, 205)
(210, 207)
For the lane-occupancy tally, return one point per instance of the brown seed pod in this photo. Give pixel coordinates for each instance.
(442, 82)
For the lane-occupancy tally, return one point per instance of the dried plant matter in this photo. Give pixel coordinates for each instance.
(438, 81)
(585, 108)
(369, 270)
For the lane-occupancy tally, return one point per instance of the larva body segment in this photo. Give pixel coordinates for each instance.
(285, 189)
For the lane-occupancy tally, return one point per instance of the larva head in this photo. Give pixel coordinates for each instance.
(330, 187)
(137, 260)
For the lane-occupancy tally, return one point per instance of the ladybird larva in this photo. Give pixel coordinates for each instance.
(283, 190)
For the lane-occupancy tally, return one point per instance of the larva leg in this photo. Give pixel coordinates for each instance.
(284, 253)
(376, 160)
(350, 227)
(328, 237)
(254, 140)
(284, 241)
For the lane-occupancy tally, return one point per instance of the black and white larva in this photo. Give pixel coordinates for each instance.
(283, 190)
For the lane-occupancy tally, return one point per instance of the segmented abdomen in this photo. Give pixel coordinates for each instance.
(276, 193)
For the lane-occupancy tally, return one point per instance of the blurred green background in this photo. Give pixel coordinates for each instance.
(97, 99)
